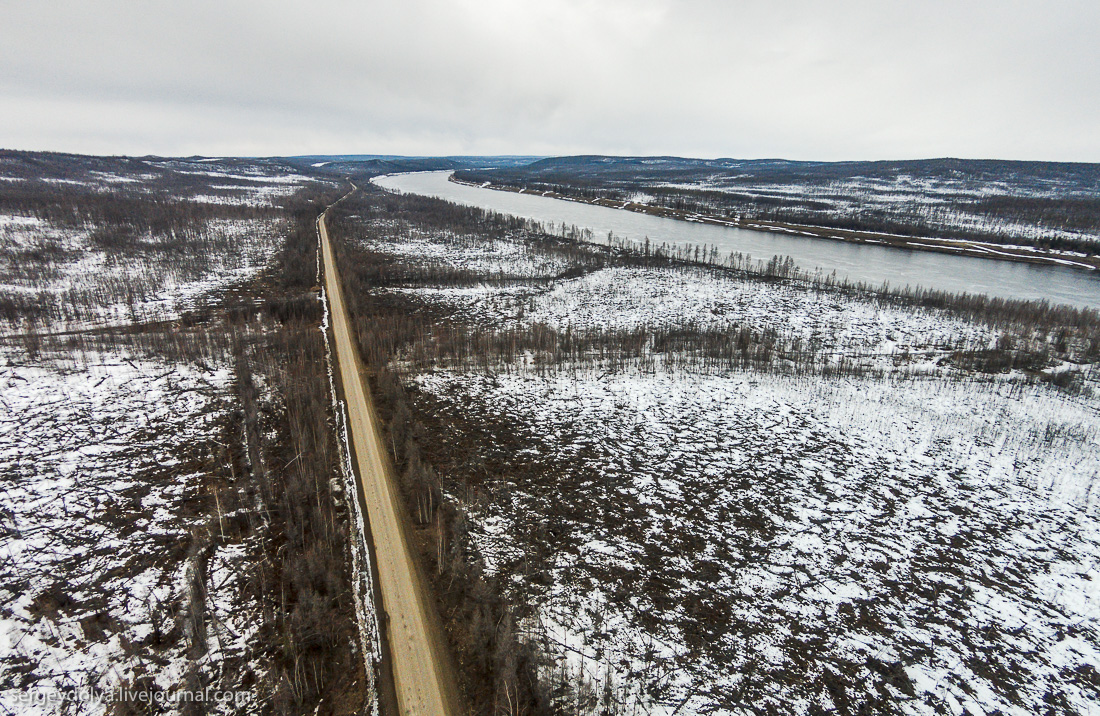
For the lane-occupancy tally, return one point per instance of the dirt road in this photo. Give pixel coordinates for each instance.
(421, 675)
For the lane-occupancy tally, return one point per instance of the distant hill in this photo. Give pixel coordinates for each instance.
(1075, 176)
(393, 162)
(1052, 205)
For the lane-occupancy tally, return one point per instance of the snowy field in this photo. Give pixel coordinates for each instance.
(105, 463)
(143, 544)
(511, 284)
(1007, 202)
(73, 283)
(87, 242)
(938, 202)
(506, 257)
(259, 183)
(920, 542)
(627, 299)
(747, 539)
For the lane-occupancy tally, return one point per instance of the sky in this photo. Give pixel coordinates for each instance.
(798, 79)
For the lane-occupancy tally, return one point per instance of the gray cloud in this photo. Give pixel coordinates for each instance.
(746, 78)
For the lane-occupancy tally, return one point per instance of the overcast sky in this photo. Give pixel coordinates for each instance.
(804, 79)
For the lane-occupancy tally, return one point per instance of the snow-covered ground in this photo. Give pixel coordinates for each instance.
(730, 542)
(871, 331)
(505, 257)
(136, 543)
(104, 463)
(80, 284)
(940, 203)
(723, 540)
(212, 181)
(1003, 202)
(87, 242)
(619, 298)
(229, 182)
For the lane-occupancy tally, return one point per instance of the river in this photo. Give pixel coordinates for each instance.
(868, 263)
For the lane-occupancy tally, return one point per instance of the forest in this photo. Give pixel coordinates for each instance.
(1042, 204)
(175, 512)
(646, 478)
(638, 477)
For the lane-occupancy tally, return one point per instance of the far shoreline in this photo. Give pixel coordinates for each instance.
(974, 249)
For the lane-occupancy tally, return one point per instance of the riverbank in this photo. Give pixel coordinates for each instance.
(607, 424)
(977, 249)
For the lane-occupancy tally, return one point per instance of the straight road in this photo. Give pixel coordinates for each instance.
(421, 674)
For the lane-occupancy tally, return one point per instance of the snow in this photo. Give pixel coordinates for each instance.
(925, 538)
(64, 276)
(630, 298)
(93, 508)
(627, 298)
(107, 456)
(858, 513)
(942, 204)
(9, 220)
(258, 177)
(370, 640)
(86, 286)
(506, 257)
(256, 190)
